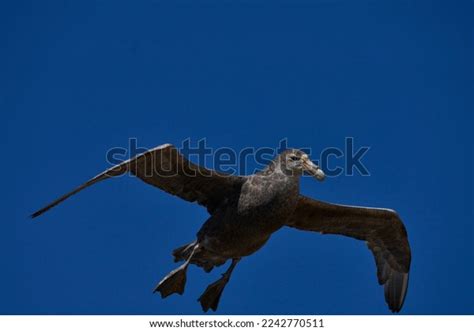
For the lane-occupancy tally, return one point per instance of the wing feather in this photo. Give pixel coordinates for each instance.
(164, 167)
(382, 229)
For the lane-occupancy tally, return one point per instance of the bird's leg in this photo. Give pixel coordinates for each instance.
(175, 281)
(211, 296)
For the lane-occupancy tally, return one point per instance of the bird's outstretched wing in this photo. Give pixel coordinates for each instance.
(165, 168)
(382, 229)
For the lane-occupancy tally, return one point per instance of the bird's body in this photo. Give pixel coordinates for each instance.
(242, 225)
(246, 210)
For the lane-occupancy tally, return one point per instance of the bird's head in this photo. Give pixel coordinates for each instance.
(296, 162)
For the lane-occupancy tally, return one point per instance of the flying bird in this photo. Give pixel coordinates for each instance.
(244, 211)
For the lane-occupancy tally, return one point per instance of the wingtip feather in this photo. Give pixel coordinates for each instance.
(395, 291)
(36, 214)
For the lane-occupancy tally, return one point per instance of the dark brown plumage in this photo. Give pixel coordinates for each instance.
(246, 210)
(382, 229)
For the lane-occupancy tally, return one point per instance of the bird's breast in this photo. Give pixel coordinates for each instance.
(268, 200)
(243, 226)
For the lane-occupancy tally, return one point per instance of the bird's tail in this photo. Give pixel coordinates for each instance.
(182, 253)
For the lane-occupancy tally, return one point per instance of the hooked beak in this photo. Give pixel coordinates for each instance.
(313, 169)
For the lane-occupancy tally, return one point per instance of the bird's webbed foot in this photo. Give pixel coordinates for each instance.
(174, 282)
(211, 296)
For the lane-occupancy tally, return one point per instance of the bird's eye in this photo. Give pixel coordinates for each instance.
(294, 158)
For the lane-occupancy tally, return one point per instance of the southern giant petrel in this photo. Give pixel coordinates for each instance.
(246, 210)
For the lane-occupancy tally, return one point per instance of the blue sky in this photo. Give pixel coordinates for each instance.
(81, 77)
